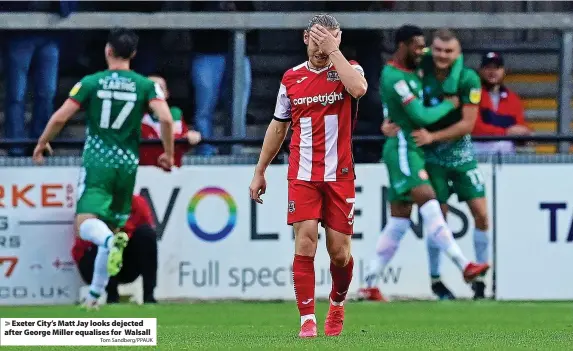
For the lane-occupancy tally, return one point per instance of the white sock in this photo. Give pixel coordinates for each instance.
(481, 245)
(334, 303)
(307, 317)
(435, 225)
(434, 259)
(100, 277)
(386, 247)
(97, 232)
(91, 297)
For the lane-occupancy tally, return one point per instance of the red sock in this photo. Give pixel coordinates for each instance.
(303, 276)
(341, 278)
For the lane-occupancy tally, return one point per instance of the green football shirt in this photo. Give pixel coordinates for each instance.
(401, 92)
(114, 102)
(457, 152)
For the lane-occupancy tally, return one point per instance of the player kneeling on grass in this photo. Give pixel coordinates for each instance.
(139, 256)
(115, 101)
(319, 97)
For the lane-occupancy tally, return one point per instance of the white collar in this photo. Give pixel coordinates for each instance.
(319, 70)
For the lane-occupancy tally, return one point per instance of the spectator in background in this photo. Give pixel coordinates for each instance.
(139, 256)
(36, 51)
(500, 110)
(150, 129)
(211, 68)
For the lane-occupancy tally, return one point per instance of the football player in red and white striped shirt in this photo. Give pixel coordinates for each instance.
(318, 99)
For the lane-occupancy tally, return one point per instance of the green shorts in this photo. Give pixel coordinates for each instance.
(107, 193)
(405, 169)
(466, 181)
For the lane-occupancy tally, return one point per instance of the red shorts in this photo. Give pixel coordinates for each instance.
(332, 203)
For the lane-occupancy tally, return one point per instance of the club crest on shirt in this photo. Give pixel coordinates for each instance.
(291, 206)
(332, 76)
(423, 174)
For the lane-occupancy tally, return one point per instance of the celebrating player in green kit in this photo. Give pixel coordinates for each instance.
(450, 159)
(402, 95)
(115, 101)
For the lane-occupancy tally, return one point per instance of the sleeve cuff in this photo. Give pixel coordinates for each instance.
(282, 119)
(74, 101)
(409, 100)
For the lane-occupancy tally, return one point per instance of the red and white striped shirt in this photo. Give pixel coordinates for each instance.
(151, 129)
(322, 114)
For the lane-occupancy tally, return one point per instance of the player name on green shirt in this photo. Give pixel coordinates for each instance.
(115, 103)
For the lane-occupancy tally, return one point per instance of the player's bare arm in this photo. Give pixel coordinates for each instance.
(274, 138)
(54, 126)
(161, 110)
(328, 43)
(455, 131)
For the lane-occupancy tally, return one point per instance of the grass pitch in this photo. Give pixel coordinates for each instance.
(452, 325)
